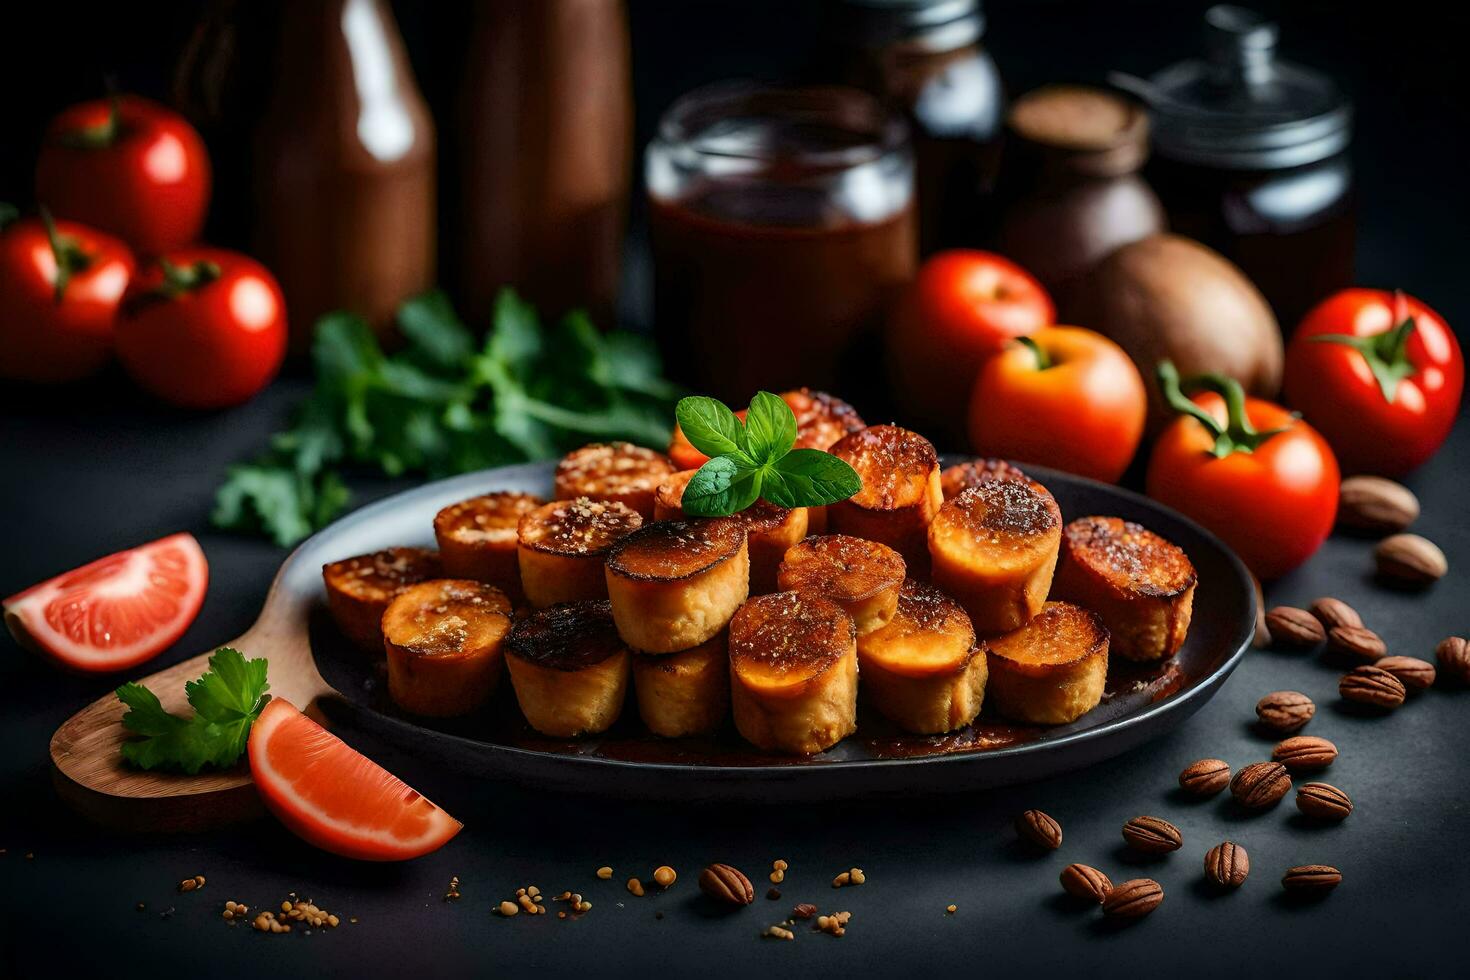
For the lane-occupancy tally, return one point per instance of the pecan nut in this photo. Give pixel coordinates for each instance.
(1227, 865)
(1374, 504)
(1410, 560)
(1372, 686)
(1453, 654)
(804, 911)
(1285, 711)
(1086, 882)
(1151, 835)
(1332, 612)
(1133, 899)
(725, 884)
(1260, 785)
(1304, 753)
(1293, 628)
(1413, 673)
(1039, 829)
(1357, 642)
(1323, 802)
(1308, 879)
(1205, 777)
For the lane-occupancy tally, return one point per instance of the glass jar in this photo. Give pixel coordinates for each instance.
(1251, 158)
(782, 222)
(924, 59)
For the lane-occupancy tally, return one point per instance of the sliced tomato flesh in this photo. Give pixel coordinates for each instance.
(116, 612)
(335, 797)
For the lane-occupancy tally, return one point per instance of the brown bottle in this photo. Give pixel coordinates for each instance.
(545, 133)
(344, 165)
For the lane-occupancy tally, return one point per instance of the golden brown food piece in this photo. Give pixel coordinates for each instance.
(972, 472)
(684, 694)
(360, 588)
(821, 419)
(770, 530)
(900, 494)
(793, 672)
(477, 538)
(561, 548)
(1052, 670)
(994, 548)
(569, 668)
(443, 640)
(1139, 583)
(923, 671)
(675, 584)
(863, 577)
(613, 471)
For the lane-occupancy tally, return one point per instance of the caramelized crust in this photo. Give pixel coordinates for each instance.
(477, 538)
(360, 588)
(821, 419)
(668, 499)
(1139, 583)
(443, 640)
(675, 584)
(614, 471)
(994, 548)
(929, 634)
(569, 637)
(962, 476)
(562, 546)
(900, 493)
(568, 668)
(1052, 670)
(770, 529)
(863, 577)
(684, 694)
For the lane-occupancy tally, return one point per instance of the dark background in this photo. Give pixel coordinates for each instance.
(87, 470)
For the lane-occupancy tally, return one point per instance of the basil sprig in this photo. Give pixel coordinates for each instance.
(756, 460)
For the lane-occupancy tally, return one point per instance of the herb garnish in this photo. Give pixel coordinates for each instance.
(756, 460)
(226, 701)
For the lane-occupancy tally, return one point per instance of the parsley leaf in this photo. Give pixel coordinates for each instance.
(226, 700)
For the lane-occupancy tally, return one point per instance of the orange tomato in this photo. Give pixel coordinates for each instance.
(1064, 397)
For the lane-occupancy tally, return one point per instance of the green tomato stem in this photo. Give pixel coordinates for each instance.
(1238, 434)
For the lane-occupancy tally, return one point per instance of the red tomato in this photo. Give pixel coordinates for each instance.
(1073, 401)
(59, 292)
(962, 307)
(129, 166)
(116, 612)
(1380, 375)
(1260, 478)
(203, 328)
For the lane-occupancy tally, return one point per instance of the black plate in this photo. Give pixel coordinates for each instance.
(1139, 703)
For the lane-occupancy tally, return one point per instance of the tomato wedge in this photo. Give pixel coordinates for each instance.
(334, 797)
(116, 612)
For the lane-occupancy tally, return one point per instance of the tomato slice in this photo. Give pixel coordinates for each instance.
(116, 612)
(336, 798)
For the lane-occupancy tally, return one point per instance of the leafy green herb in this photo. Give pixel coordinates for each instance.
(226, 701)
(447, 403)
(756, 460)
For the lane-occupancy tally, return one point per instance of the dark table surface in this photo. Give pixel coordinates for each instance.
(87, 473)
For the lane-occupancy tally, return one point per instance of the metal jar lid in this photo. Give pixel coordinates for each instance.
(1242, 108)
(943, 23)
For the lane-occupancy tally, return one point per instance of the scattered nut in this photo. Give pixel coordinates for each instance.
(635, 886)
(1260, 785)
(1357, 642)
(1285, 711)
(1205, 777)
(778, 932)
(1133, 899)
(509, 908)
(1453, 654)
(1227, 865)
(1304, 753)
(1332, 612)
(1413, 673)
(804, 911)
(1372, 686)
(727, 884)
(1294, 628)
(1410, 560)
(1151, 835)
(1323, 802)
(664, 876)
(1377, 505)
(1040, 829)
(1085, 882)
(951, 909)
(604, 872)
(1308, 879)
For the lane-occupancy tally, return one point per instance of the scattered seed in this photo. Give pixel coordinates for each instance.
(635, 886)
(779, 865)
(665, 876)
(777, 932)
(773, 894)
(804, 911)
(604, 872)
(951, 909)
(507, 909)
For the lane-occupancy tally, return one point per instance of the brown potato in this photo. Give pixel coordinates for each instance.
(613, 471)
(960, 477)
(922, 670)
(443, 640)
(1141, 585)
(900, 495)
(360, 588)
(684, 694)
(994, 548)
(1053, 669)
(561, 548)
(771, 530)
(477, 538)
(863, 577)
(569, 668)
(675, 584)
(793, 673)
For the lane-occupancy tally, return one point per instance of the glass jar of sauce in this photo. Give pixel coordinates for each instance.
(782, 221)
(924, 59)
(1251, 158)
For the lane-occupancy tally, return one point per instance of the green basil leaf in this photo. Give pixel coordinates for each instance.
(810, 478)
(722, 486)
(770, 428)
(709, 426)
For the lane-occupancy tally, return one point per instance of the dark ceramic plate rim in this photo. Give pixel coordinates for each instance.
(1184, 701)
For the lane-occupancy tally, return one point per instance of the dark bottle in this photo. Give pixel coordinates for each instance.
(924, 58)
(1251, 158)
(1069, 183)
